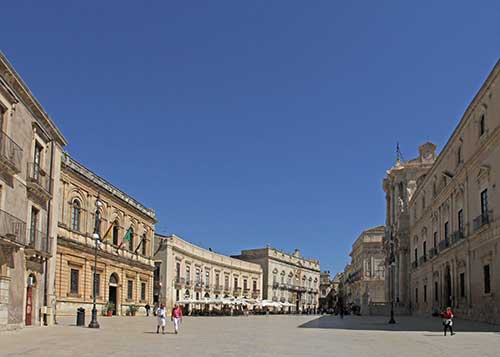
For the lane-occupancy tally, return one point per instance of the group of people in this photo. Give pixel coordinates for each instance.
(176, 317)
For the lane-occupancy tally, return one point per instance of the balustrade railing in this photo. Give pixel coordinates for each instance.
(12, 228)
(38, 176)
(482, 220)
(38, 241)
(11, 154)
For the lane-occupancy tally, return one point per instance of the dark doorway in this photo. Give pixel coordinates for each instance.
(112, 297)
(448, 297)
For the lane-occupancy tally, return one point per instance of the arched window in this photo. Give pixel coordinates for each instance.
(116, 232)
(75, 216)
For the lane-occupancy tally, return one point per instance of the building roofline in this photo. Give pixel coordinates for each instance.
(76, 166)
(495, 71)
(29, 99)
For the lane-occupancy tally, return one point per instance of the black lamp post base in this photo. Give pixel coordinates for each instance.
(392, 321)
(94, 323)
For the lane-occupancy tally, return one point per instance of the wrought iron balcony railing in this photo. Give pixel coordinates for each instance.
(482, 220)
(457, 236)
(422, 260)
(38, 179)
(11, 154)
(12, 228)
(433, 252)
(444, 244)
(38, 241)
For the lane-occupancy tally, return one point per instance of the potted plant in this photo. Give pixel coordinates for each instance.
(110, 307)
(132, 309)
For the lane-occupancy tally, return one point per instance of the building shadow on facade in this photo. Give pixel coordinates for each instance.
(403, 323)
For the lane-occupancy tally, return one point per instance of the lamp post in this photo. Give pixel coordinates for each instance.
(391, 267)
(96, 237)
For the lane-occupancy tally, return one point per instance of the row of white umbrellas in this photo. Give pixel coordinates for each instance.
(236, 301)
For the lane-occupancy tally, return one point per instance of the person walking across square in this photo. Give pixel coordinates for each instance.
(161, 313)
(176, 317)
(448, 320)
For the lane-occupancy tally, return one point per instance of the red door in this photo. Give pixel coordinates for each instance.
(29, 306)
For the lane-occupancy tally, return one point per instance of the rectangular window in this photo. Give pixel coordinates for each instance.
(487, 281)
(74, 275)
(207, 278)
(97, 284)
(254, 285)
(436, 292)
(116, 232)
(217, 279)
(462, 284)
(178, 271)
(425, 248)
(416, 256)
(435, 239)
(33, 225)
(425, 293)
(484, 203)
(226, 282)
(235, 282)
(143, 291)
(130, 287)
(131, 242)
(446, 231)
(188, 273)
(416, 295)
(461, 221)
(198, 276)
(245, 284)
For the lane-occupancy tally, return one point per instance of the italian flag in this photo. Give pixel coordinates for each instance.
(126, 238)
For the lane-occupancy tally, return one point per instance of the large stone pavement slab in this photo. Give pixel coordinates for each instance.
(257, 336)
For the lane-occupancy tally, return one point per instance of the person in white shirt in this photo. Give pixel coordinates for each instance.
(161, 313)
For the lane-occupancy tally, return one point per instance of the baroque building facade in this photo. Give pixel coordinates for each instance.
(367, 277)
(185, 271)
(287, 277)
(124, 274)
(30, 153)
(454, 217)
(326, 291)
(400, 184)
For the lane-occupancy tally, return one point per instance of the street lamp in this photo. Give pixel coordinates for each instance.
(96, 237)
(392, 265)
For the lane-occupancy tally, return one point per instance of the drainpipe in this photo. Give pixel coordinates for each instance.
(47, 238)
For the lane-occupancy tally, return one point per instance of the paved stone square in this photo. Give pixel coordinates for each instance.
(257, 336)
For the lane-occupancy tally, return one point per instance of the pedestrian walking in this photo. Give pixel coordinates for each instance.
(147, 307)
(448, 321)
(161, 313)
(176, 317)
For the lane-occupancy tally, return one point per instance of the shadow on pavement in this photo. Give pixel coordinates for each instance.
(403, 323)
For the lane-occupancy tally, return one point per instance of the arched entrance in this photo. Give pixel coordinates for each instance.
(113, 292)
(30, 299)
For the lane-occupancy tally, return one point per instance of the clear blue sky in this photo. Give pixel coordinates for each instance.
(251, 122)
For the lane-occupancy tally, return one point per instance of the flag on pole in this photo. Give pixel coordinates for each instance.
(140, 243)
(108, 232)
(127, 237)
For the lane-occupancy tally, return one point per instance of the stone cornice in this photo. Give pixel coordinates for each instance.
(24, 95)
(69, 162)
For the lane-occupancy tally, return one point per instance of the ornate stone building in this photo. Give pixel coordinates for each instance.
(186, 271)
(399, 185)
(124, 268)
(368, 268)
(30, 151)
(287, 277)
(326, 291)
(454, 217)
